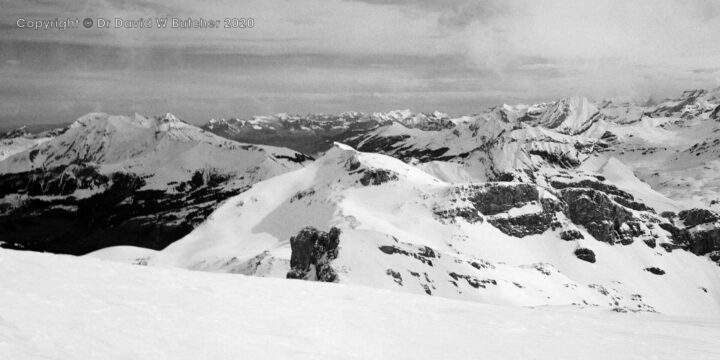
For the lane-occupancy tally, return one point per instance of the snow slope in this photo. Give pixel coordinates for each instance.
(162, 149)
(10, 147)
(398, 235)
(125, 180)
(60, 307)
(672, 146)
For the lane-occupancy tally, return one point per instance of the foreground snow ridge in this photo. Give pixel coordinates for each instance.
(61, 307)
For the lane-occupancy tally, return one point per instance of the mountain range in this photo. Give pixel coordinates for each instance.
(572, 202)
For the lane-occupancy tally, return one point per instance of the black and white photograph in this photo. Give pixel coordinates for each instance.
(359, 179)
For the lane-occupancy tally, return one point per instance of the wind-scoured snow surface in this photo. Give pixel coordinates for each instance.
(59, 307)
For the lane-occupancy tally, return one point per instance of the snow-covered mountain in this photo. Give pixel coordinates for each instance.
(611, 204)
(17, 140)
(161, 150)
(673, 146)
(313, 133)
(369, 219)
(111, 180)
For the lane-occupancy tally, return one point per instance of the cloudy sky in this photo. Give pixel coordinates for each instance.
(335, 55)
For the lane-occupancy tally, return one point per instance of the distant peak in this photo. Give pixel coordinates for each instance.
(88, 119)
(693, 93)
(168, 117)
(15, 133)
(342, 146)
(575, 99)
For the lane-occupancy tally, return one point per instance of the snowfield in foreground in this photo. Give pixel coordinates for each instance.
(62, 307)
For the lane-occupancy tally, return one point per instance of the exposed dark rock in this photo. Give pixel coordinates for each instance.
(608, 137)
(585, 254)
(650, 242)
(301, 194)
(679, 236)
(705, 241)
(655, 270)
(118, 214)
(714, 256)
(630, 231)
(529, 224)
(378, 176)
(694, 217)
(312, 252)
(496, 198)
(543, 268)
(595, 185)
(394, 146)
(380, 144)
(352, 164)
(297, 158)
(61, 180)
(670, 247)
(631, 204)
(602, 217)
(481, 264)
(473, 281)
(395, 275)
(523, 225)
(204, 177)
(503, 177)
(668, 214)
(559, 159)
(470, 214)
(571, 234)
(424, 253)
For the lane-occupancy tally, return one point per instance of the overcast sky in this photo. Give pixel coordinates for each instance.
(336, 55)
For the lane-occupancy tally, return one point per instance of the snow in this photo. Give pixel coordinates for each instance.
(162, 150)
(570, 115)
(60, 307)
(622, 176)
(249, 234)
(665, 157)
(122, 254)
(10, 147)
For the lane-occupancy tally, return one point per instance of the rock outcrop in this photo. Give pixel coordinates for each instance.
(377, 177)
(602, 217)
(528, 224)
(571, 234)
(705, 241)
(585, 254)
(496, 198)
(695, 217)
(655, 270)
(312, 252)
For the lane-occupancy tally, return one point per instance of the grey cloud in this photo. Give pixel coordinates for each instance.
(706, 70)
(452, 13)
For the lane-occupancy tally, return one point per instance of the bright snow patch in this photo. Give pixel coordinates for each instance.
(60, 307)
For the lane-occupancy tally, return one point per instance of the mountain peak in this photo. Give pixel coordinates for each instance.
(570, 115)
(693, 93)
(168, 117)
(15, 133)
